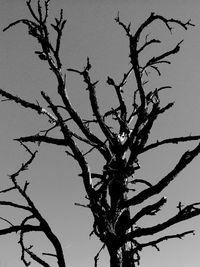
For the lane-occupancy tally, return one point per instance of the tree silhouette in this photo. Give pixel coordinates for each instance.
(112, 194)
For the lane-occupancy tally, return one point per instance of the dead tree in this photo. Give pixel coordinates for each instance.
(116, 221)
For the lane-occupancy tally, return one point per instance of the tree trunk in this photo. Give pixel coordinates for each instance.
(121, 257)
(116, 258)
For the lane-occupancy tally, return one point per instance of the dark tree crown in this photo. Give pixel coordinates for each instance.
(112, 193)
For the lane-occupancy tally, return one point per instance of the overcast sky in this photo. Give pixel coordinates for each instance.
(55, 185)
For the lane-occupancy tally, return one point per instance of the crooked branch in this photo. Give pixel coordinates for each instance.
(174, 140)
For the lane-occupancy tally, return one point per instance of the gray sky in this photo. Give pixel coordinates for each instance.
(91, 31)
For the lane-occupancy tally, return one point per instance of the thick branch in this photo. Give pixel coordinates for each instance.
(27, 104)
(186, 158)
(44, 139)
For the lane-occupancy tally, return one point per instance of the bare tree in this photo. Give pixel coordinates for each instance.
(112, 194)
